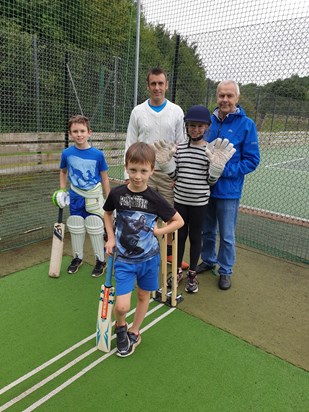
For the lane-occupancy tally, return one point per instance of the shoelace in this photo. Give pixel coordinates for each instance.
(192, 279)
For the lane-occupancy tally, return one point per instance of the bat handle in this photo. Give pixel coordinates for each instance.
(110, 264)
(60, 215)
(110, 259)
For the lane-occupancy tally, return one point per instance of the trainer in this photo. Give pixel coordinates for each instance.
(156, 119)
(230, 121)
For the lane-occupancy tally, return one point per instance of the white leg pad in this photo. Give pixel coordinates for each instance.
(95, 229)
(76, 226)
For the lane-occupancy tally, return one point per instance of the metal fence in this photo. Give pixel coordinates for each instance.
(63, 58)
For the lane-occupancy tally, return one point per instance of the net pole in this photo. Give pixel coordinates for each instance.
(138, 23)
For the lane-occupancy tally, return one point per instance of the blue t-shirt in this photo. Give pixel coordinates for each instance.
(84, 166)
(158, 108)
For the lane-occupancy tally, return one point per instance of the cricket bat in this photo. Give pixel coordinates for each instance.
(57, 247)
(104, 321)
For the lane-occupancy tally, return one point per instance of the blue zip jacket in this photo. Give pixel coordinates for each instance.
(241, 131)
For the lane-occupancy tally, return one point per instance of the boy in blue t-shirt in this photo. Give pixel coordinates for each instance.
(86, 168)
(137, 248)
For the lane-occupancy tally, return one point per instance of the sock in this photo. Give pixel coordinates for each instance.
(169, 250)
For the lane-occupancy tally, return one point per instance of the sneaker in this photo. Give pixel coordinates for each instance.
(184, 265)
(225, 282)
(99, 268)
(179, 278)
(75, 264)
(203, 267)
(191, 283)
(124, 346)
(135, 340)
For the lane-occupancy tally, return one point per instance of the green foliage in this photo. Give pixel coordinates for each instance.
(98, 38)
(294, 87)
(274, 105)
(192, 83)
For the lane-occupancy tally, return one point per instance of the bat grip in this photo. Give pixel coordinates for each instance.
(60, 215)
(110, 264)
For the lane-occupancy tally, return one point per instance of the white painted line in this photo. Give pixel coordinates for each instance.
(51, 361)
(282, 215)
(285, 162)
(61, 370)
(89, 367)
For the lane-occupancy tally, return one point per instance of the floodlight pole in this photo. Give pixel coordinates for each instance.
(138, 25)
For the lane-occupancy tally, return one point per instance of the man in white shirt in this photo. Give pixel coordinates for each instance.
(157, 119)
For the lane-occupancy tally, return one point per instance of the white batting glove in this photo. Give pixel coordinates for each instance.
(61, 198)
(164, 155)
(219, 153)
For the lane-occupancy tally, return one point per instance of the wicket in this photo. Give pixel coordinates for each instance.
(170, 298)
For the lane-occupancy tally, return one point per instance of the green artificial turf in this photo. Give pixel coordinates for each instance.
(182, 364)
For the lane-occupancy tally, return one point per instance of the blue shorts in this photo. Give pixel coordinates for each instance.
(78, 205)
(146, 274)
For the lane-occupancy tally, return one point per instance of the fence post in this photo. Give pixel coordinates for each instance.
(66, 100)
(37, 83)
(138, 25)
(175, 76)
(273, 114)
(117, 58)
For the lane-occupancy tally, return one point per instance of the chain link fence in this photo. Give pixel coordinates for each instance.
(62, 58)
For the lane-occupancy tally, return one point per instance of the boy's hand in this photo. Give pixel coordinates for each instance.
(61, 198)
(164, 155)
(219, 153)
(110, 246)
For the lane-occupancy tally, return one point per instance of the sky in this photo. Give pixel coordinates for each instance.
(249, 40)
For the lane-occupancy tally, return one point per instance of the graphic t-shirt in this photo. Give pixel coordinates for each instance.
(84, 166)
(137, 214)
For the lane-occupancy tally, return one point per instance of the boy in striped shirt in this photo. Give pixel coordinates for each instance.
(194, 167)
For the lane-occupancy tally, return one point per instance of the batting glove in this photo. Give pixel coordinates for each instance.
(219, 152)
(61, 198)
(164, 155)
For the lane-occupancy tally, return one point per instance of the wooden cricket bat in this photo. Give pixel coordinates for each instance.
(57, 247)
(104, 321)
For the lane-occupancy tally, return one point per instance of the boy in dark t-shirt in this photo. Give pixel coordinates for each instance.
(137, 248)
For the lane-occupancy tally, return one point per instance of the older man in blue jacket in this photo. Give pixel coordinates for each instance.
(229, 121)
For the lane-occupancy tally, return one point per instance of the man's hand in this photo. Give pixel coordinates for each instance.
(219, 153)
(61, 198)
(164, 155)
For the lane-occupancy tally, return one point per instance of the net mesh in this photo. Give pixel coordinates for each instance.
(62, 58)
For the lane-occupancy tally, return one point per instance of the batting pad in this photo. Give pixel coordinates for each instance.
(76, 226)
(95, 229)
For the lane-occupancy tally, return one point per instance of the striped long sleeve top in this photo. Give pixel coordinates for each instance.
(191, 175)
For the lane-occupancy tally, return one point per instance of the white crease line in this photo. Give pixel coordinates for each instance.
(51, 361)
(283, 215)
(61, 370)
(285, 162)
(89, 367)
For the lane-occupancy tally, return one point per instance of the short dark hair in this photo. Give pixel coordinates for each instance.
(156, 71)
(141, 152)
(79, 118)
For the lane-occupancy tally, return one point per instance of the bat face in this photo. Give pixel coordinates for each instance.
(57, 247)
(57, 250)
(104, 324)
(104, 321)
